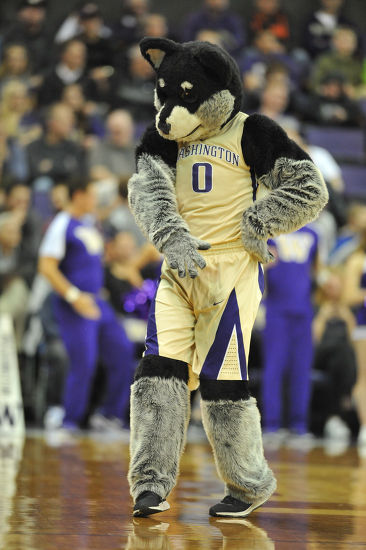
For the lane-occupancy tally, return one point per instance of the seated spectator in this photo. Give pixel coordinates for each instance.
(207, 35)
(266, 52)
(268, 15)
(54, 155)
(114, 156)
(274, 103)
(330, 105)
(15, 65)
(215, 15)
(96, 37)
(19, 120)
(71, 69)
(348, 240)
(31, 29)
(342, 60)
(130, 275)
(129, 29)
(88, 122)
(13, 290)
(320, 28)
(134, 91)
(17, 202)
(13, 160)
(334, 354)
(120, 216)
(155, 25)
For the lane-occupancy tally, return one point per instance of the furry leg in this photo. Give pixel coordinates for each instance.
(160, 409)
(234, 431)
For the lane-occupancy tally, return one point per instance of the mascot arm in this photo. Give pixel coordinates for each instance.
(297, 189)
(152, 199)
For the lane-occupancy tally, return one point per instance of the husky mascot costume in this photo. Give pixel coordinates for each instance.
(200, 168)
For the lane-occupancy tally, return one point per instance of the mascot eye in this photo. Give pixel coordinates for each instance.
(188, 96)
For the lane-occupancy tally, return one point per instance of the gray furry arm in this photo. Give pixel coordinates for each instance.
(152, 199)
(297, 190)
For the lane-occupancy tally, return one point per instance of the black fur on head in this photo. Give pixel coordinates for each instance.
(198, 87)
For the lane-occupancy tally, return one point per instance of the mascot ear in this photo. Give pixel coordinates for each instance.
(216, 62)
(155, 49)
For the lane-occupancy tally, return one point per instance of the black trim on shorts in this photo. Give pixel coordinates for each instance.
(216, 390)
(156, 365)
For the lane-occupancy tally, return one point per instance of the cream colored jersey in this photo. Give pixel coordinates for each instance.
(213, 184)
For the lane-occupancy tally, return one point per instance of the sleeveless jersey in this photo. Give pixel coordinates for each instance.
(214, 185)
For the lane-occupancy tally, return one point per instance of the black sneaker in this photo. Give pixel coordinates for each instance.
(149, 503)
(232, 507)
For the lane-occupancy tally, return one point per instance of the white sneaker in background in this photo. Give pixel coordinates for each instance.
(361, 439)
(53, 418)
(274, 440)
(301, 442)
(335, 428)
(107, 429)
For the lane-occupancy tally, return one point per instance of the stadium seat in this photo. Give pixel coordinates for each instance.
(354, 176)
(346, 144)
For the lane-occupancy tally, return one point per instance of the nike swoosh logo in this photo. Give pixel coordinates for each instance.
(216, 303)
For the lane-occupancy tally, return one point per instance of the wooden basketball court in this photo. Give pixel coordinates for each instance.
(75, 497)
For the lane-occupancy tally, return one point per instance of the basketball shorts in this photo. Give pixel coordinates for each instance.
(207, 321)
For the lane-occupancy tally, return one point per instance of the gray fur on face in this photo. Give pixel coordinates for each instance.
(160, 411)
(152, 199)
(213, 113)
(298, 194)
(234, 431)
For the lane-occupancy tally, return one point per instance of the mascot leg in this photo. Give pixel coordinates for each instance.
(232, 423)
(160, 409)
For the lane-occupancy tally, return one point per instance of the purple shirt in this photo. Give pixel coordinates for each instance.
(79, 247)
(289, 280)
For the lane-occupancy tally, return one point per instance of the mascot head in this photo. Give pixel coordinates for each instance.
(198, 87)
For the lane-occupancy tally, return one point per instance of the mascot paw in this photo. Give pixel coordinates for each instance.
(258, 249)
(180, 252)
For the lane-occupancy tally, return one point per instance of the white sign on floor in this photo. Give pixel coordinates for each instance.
(11, 403)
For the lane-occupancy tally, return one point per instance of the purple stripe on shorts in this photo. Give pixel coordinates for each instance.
(216, 354)
(151, 342)
(260, 278)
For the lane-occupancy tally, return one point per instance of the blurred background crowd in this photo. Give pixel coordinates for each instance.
(75, 97)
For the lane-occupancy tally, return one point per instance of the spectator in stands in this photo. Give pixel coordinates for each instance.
(13, 161)
(216, 15)
(18, 202)
(354, 295)
(114, 156)
(88, 122)
(269, 16)
(96, 37)
(121, 218)
(71, 259)
(121, 275)
(287, 338)
(30, 28)
(20, 121)
(71, 69)
(320, 27)
(334, 354)
(134, 91)
(155, 25)
(275, 102)
(330, 105)
(129, 29)
(15, 65)
(267, 52)
(54, 155)
(13, 289)
(349, 240)
(342, 60)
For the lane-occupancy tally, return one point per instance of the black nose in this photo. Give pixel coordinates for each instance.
(164, 127)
